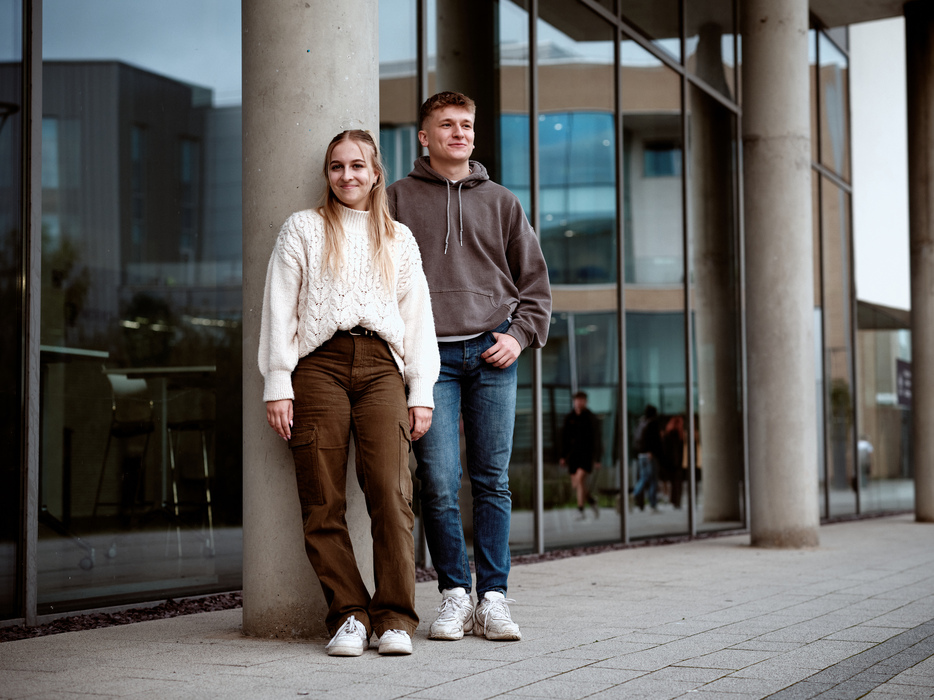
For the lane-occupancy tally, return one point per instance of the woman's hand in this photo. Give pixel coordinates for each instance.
(279, 416)
(419, 421)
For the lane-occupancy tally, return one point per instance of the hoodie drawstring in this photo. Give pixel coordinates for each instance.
(448, 217)
(460, 212)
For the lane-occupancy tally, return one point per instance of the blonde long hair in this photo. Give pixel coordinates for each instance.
(381, 227)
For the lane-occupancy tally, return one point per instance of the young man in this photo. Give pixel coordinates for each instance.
(491, 299)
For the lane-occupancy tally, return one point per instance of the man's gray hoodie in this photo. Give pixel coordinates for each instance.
(481, 257)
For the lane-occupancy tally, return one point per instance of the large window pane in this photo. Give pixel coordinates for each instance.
(833, 90)
(884, 412)
(11, 309)
(398, 87)
(715, 301)
(710, 53)
(653, 228)
(577, 147)
(513, 158)
(141, 302)
(659, 20)
(839, 414)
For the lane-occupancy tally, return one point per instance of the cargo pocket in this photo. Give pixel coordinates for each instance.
(405, 476)
(304, 446)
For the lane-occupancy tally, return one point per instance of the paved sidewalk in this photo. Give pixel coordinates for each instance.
(706, 619)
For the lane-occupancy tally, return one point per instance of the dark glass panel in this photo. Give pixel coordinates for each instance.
(11, 307)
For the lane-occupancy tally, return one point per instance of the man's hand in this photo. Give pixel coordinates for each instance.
(419, 421)
(279, 416)
(504, 352)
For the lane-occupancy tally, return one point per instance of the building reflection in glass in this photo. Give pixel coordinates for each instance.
(140, 481)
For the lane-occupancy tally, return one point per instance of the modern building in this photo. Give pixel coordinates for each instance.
(688, 167)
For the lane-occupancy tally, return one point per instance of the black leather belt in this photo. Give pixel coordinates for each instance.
(360, 330)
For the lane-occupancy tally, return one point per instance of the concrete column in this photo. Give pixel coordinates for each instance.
(310, 70)
(713, 262)
(466, 62)
(779, 274)
(919, 48)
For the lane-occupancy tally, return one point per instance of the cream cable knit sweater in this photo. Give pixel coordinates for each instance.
(305, 303)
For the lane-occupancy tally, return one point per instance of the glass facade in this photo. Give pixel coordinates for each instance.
(625, 158)
(616, 124)
(140, 304)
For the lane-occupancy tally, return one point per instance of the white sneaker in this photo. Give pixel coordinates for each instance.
(351, 639)
(492, 619)
(456, 615)
(395, 642)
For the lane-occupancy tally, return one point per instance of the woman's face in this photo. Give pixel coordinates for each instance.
(350, 175)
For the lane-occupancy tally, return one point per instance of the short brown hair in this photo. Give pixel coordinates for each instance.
(442, 100)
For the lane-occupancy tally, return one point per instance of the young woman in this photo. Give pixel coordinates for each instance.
(347, 346)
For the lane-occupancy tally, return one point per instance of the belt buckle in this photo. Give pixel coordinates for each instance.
(361, 331)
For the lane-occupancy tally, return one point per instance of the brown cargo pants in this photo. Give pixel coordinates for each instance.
(351, 385)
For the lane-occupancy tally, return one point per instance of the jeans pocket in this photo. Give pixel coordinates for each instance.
(405, 475)
(304, 447)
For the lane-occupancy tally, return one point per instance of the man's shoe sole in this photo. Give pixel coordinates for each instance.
(503, 638)
(449, 637)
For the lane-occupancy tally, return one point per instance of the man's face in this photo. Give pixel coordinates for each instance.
(448, 134)
(580, 403)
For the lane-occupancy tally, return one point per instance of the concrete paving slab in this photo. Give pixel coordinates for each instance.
(711, 618)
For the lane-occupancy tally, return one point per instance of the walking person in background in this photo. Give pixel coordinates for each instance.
(491, 299)
(346, 333)
(672, 461)
(648, 447)
(581, 449)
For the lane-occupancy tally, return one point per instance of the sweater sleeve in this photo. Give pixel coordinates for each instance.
(531, 318)
(422, 360)
(278, 340)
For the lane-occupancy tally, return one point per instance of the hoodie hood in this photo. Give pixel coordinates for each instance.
(423, 171)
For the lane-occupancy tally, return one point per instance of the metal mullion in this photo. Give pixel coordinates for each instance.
(622, 400)
(854, 375)
(739, 218)
(820, 266)
(833, 177)
(631, 32)
(421, 94)
(538, 505)
(600, 10)
(686, 174)
(704, 86)
(421, 52)
(32, 384)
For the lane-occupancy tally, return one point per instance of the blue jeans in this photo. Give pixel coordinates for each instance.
(648, 480)
(486, 397)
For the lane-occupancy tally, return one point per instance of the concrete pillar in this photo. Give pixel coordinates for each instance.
(310, 70)
(919, 48)
(713, 262)
(779, 274)
(466, 62)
